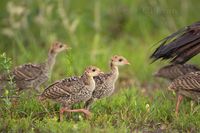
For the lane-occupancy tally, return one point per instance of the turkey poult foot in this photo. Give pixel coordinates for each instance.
(179, 99)
(88, 103)
(85, 111)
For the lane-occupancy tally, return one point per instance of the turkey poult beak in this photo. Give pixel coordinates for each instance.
(67, 47)
(101, 72)
(127, 63)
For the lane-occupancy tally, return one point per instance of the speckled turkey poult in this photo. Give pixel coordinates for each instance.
(173, 71)
(33, 75)
(188, 86)
(72, 90)
(105, 83)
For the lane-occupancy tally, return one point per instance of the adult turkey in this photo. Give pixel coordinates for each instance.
(180, 46)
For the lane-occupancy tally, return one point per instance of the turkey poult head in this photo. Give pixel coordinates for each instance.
(92, 71)
(58, 47)
(119, 61)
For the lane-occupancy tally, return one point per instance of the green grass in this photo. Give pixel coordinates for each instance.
(128, 110)
(96, 30)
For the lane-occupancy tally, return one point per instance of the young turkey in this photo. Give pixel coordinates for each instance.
(173, 71)
(33, 75)
(188, 86)
(72, 90)
(105, 83)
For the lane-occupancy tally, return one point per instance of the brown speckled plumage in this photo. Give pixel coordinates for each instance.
(33, 75)
(188, 86)
(72, 90)
(173, 71)
(105, 83)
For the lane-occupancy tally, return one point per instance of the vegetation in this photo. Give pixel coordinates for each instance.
(96, 30)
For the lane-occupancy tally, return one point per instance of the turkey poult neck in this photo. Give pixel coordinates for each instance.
(88, 80)
(114, 71)
(51, 60)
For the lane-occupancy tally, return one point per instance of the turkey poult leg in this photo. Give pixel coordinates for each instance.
(62, 110)
(2, 85)
(179, 99)
(37, 88)
(89, 103)
(85, 111)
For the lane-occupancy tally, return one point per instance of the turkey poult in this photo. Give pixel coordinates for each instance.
(33, 75)
(72, 90)
(105, 83)
(188, 86)
(173, 71)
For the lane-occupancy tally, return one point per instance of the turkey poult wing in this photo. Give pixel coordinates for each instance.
(27, 72)
(188, 82)
(180, 46)
(63, 88)
(101, 78)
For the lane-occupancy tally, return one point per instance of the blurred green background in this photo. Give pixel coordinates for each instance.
(96, 30)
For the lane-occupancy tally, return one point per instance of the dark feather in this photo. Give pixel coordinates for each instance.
(180, 46)
(187, 55)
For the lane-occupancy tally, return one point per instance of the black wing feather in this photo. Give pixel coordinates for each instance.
(180, 46)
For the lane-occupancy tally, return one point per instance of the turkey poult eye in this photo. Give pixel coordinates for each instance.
(93, 70)
(61, 46)
(120, 60)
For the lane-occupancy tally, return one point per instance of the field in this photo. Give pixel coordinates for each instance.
(96, 30)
